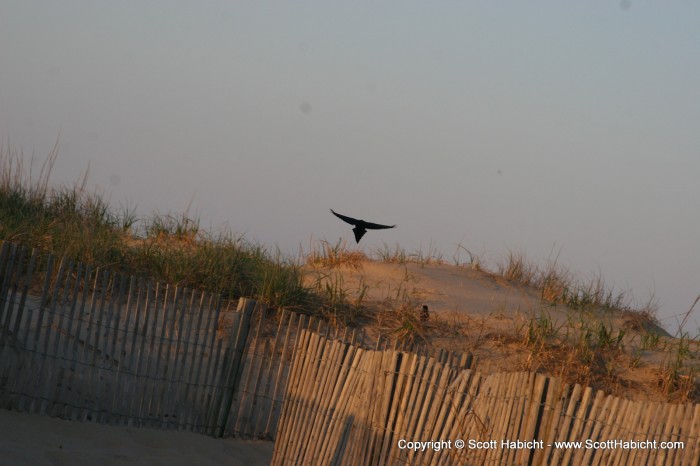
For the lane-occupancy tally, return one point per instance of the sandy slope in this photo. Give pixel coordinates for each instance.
(32, 440)
(473, 310)
(451, 292)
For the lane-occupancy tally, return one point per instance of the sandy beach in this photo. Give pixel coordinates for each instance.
(32, 440)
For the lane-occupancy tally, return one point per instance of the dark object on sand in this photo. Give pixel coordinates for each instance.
(424, 314)
(361, 226)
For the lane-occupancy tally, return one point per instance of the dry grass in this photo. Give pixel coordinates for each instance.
(74, 223)
(324, 254)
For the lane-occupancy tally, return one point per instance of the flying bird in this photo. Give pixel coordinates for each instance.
(361, 226)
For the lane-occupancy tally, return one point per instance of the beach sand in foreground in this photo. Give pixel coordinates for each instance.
(32, 440)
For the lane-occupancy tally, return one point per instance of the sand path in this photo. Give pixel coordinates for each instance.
(32, 440)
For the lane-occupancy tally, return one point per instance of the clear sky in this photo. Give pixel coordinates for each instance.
(545, 127)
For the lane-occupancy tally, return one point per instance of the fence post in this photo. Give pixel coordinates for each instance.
(233, 358)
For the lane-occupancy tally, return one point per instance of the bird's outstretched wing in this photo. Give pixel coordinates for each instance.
(344, 218)
(376, 226)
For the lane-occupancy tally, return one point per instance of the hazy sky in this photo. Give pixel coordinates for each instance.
(571, 127)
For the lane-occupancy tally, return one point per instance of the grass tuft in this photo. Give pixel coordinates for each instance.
(324, 254)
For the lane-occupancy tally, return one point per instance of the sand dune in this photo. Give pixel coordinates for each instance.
(480, 312)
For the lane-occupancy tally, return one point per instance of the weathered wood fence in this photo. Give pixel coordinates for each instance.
(349, 406)
(85, 343)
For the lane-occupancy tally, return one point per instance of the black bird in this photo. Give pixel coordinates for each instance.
(361, 226)
(424, 314)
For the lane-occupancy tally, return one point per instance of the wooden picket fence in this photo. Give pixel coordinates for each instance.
(85, 343)
(89, 344)
(346, 405)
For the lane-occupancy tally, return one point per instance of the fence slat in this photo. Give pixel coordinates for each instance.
(123, 352)
(56, 362)
(46, 370)
(329, 391)
(245, 391)
(259, 429)
(335, 417)
(291, 398)
(182, 351)
(12, 342)
(233, 359)
(549, 426)
(212, 376)
(282, 376)
(200, 370)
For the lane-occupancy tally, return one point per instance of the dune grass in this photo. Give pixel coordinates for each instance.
(72, 222)
(557, 285)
